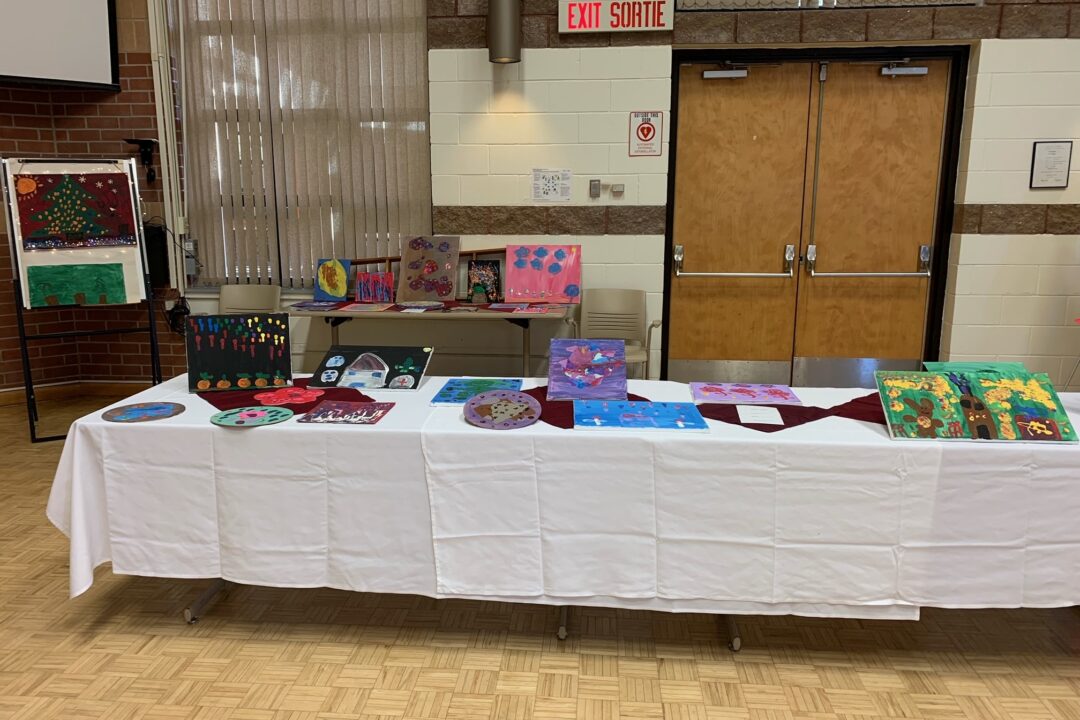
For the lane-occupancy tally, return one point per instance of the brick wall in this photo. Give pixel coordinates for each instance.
(43, 122)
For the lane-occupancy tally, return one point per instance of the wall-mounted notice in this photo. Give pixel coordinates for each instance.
(646, 133)
(1050, 164)
(577, 16)
(551, 185)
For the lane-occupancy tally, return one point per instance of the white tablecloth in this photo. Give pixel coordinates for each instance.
(828, 518)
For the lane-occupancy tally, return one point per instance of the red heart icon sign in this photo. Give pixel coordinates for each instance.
(645, 131)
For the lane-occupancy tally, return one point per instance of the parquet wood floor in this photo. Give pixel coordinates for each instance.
(121, 652)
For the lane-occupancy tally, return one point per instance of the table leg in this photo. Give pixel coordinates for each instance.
(734, 638)
(202, 603)
(564, 615)
(335, 333)
(525, 349)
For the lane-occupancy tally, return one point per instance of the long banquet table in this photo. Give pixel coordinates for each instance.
(830, 518)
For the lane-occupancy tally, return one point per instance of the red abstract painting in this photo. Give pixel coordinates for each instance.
(75, 211)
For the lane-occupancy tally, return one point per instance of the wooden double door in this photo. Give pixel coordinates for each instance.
(806, 204)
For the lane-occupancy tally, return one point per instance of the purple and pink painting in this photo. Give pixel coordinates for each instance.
(743, 393)
(587, 370)
(429, 269)
(543, 273)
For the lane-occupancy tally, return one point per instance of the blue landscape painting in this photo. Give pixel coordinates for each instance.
(633, 415)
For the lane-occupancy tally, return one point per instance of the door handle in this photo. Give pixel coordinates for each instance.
(923, 271)
(678, 255)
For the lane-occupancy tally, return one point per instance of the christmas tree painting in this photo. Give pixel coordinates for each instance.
(65, 210)
(69, 213)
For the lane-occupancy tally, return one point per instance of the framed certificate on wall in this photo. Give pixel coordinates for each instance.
(1050, 164)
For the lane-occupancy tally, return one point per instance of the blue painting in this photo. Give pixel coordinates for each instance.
(143, 412)
(634, 415)
(457, 390)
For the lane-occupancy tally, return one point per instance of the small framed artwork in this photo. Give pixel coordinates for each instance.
(1051, 161)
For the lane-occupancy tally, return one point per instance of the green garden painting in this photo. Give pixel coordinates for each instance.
(97, 284)
(1004, 405)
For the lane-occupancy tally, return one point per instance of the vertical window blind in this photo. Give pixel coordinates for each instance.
(305, 133)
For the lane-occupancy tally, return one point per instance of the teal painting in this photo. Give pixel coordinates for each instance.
(76, 284)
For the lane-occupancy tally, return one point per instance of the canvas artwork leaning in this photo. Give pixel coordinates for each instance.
(375, 287)
(983, 406)
(587, 370)
(484, 281)
(637, 415)
(920, 405)
(1023, 406)
(238, 352)
(332, 280)
(61, 211)
(84, 284)
(429, 268)
(543, 273)
(374, 368)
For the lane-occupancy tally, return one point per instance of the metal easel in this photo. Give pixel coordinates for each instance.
(32, 413)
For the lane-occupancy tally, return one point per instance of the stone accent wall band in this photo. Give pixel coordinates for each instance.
(1017, 219)
(585, 220)
(461, 24)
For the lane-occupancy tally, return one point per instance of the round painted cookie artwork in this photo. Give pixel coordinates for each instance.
(143, 412)
(251, 416)
(502, 410)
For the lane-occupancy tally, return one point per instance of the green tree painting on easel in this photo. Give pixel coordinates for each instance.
(69, 214)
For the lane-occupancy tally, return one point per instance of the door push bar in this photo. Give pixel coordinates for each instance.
(924, 266)
(789, 267)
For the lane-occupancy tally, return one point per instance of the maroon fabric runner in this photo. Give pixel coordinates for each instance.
(792, 415)
(866, 408)
(232, 399)
(560, 413)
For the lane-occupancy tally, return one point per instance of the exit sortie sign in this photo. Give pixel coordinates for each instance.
(615, 15)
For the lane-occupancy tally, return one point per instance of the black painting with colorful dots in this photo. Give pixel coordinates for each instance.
(238, 352)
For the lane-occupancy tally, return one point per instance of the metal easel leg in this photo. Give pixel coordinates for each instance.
(564, 615)
(734, 638)
(209, 596)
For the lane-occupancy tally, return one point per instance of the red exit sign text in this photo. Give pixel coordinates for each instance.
(615, 15)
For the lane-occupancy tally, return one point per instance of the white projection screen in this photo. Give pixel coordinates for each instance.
(65, 42)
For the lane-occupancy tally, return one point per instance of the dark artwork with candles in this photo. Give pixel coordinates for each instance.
(237, 352)
(75, 210)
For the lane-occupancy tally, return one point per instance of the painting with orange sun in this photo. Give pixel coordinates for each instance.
(59, 211)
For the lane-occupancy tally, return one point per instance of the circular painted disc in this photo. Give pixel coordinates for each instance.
(421, 304)
(251, 416)
(502, 410)
(143, 412)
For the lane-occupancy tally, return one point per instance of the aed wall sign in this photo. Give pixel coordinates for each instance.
(583, 16)
(646, 131)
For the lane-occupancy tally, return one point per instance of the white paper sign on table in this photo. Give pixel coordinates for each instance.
(759, 415)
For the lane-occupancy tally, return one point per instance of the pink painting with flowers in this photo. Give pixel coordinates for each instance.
(543, 273)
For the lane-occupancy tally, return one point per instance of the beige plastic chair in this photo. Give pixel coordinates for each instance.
(235, 299)
(616, 314)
